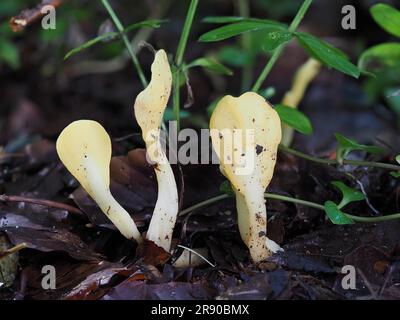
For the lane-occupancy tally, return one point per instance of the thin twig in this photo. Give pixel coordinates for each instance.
(46, 203)
(197, 254)
(366, 196)
(29, 16)
(368, 284)
(387, 279)
(12, 250)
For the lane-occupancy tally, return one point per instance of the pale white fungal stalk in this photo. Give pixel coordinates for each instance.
(149, 109)
(249, 112)
(84, 147)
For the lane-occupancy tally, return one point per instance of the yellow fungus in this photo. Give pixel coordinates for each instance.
(304, 76)
(246, 132)
(84, 147)
(149, 109)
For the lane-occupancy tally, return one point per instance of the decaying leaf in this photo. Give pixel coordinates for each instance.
(8, 264)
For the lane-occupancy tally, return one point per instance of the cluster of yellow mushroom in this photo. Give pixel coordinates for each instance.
(85, 149)
(248, 162)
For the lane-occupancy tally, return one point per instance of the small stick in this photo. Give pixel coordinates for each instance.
(46, 203)
(368, 284)
(197, 254)
(29, 16)
(12, 250)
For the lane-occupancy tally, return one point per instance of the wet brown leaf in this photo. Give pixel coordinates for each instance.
(43, 229)
(97, 284)
(139, 290)
(151, 253)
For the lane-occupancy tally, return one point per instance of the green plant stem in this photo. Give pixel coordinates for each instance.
(247, 71)
(185, 33)
(204, 204)
(120, 28)
(292, 200)
(275, 56)
(179, 59)
(278, 51)
(335, 162)
(176, 103)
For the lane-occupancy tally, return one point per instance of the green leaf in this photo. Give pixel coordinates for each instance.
(232, 19)
(294, 118)
(276, 38)
(234, 56)
(398, 159)
(90, 43)
(9, 53)
(155, 24)
(381, 56)
(395, 174)
(335, 215)
(387, 17)
(348, 194)
(222, 19)
(226, 188)
(210, 64)
(327, 54)
(238, 28)
(345, 146)
(113, 35)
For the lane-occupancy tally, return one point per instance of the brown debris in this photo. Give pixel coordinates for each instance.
(152, 254)
(42, 202)
(29, 16)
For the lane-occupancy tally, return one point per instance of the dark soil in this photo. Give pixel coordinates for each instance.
(93, 261)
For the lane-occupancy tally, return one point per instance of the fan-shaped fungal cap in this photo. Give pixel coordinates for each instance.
(84, 147)
(150, 104)
(149, 109)
(246, 132)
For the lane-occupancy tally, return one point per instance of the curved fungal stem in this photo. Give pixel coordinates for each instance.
(149, 109)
